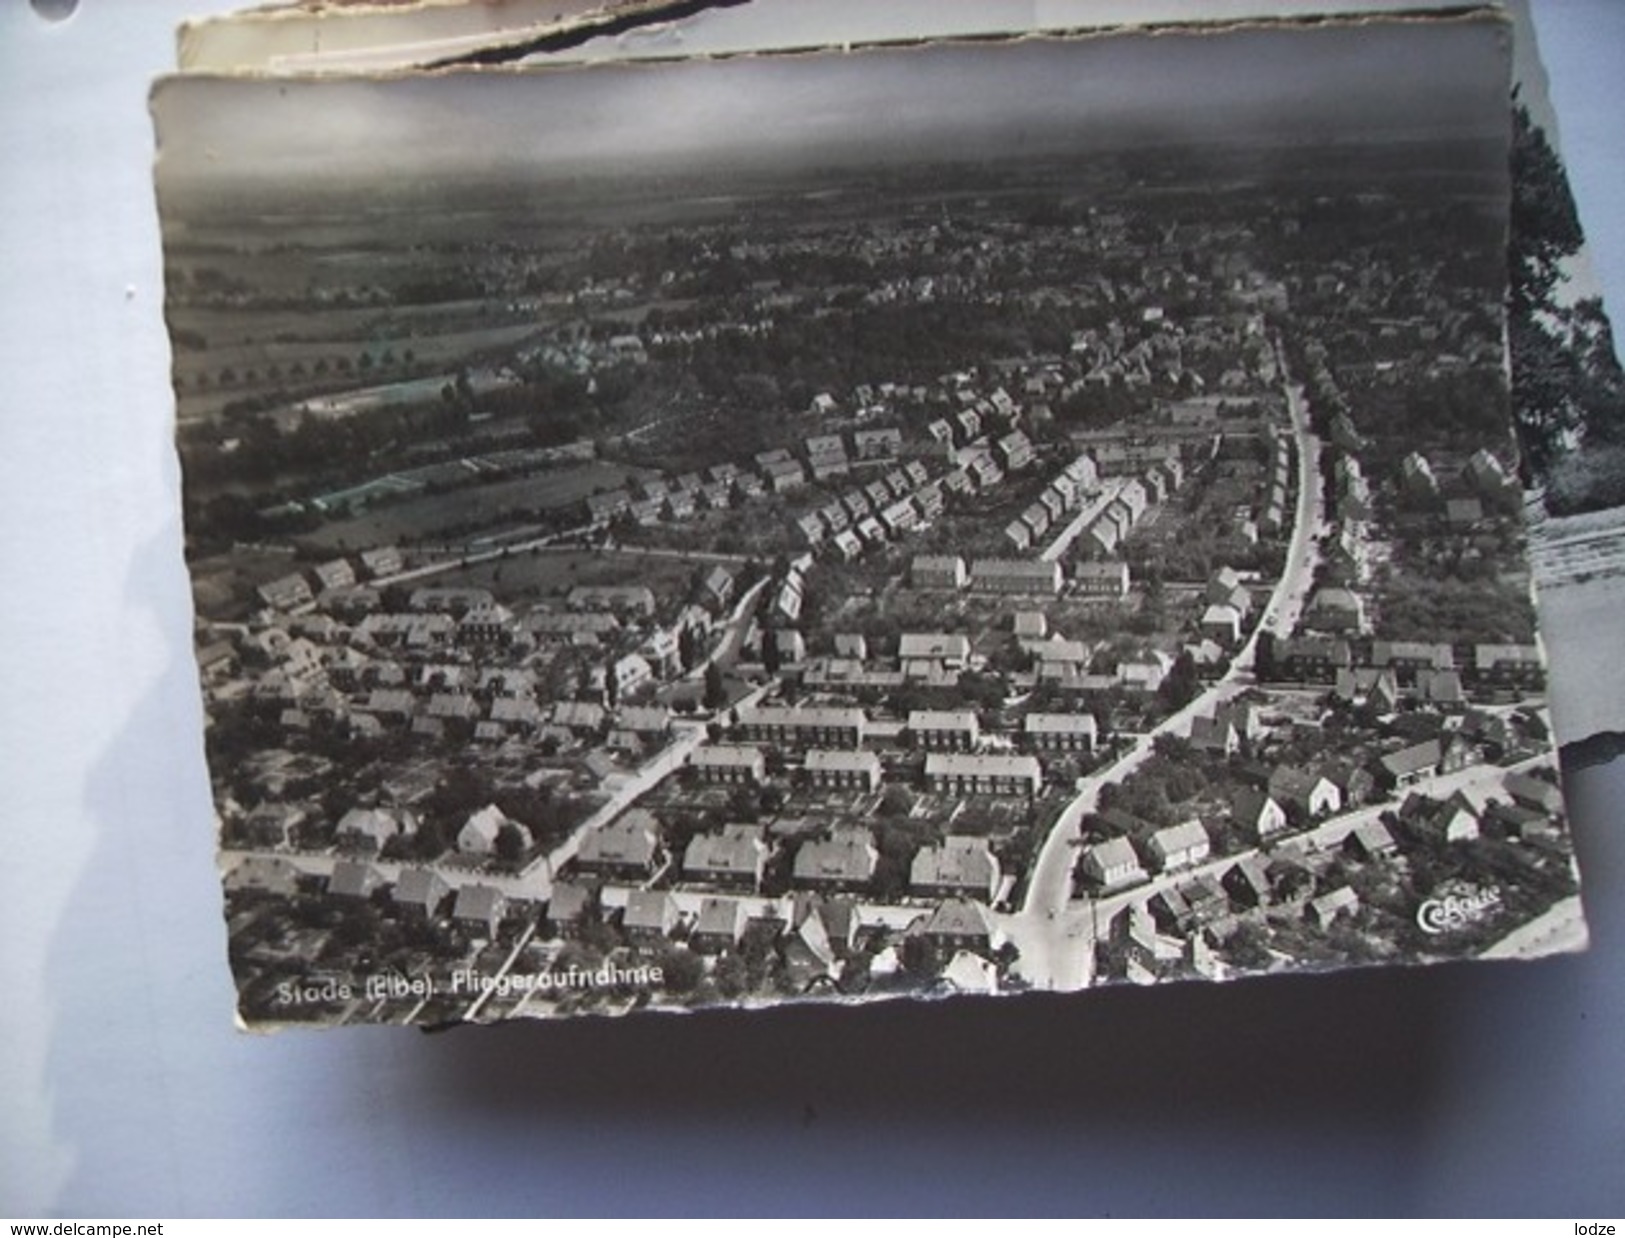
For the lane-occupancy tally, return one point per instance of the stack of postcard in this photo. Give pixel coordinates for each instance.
(700, 506)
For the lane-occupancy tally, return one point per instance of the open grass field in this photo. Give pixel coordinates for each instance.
(432, 516)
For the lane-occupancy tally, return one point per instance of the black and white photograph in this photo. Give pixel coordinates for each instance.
(415, 412)
(976, 517)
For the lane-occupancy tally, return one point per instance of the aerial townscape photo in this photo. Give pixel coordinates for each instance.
(971, 517)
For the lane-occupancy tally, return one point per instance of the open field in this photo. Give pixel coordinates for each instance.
(476, 507)
(530, 575)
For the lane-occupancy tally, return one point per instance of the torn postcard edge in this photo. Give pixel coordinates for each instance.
(644, 561)
(368, 38)
(360, 38)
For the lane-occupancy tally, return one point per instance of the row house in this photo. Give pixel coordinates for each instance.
(1409, 657)
(803, 726)
(614, 599)
(1509, 666)
(729, 763)
(1023, 576)
(843, 769)
(1313, 659)
(938, 571)
(1060, 732)
(943, 730)
(963, 773)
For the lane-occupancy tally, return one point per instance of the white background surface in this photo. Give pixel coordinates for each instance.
(125, 1091)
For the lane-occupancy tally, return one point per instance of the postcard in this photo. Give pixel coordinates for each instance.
(970, 517)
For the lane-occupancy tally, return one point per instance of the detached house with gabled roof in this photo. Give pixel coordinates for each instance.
(1305, 791)
(736, 856)
(650, 915)
(1535, 793)
(480, 906)
(1258, 814)
(720, 925)
(1322, 911)
(1370, 841)
(1247, 882)
(1409, 765)
(627, 847)
(845, 860)
(961, 924)
(482, 829)
(352, 879)
(1110, 865)
(421, 891)
(1178, 846)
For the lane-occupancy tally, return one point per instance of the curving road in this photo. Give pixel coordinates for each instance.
(1052, 929)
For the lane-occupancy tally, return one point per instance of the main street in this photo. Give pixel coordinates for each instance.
(1052, 928)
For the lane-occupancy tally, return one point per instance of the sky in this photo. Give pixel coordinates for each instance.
(972, 100)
